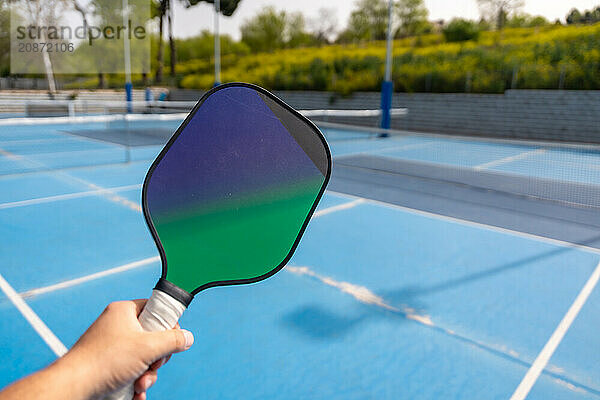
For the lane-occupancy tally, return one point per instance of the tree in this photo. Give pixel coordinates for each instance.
(587, 17)
(499, 10)
(271, 30)
(265, 31)
(202, 47)
(295, 33)
(164, 7)
(367, 22)
(172, 48)
(38, 13)
(4, 40)
(159, 11)
(227, 7)
(524, 20)
(460, 30)
(538, 20)
(574, 17)
(412, 17)
(83, 12)
(324, 26)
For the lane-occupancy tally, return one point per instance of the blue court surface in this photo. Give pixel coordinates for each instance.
(392, 294)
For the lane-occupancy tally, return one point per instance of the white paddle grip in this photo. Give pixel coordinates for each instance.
(160, 313)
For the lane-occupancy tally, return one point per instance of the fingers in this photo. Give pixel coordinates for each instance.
(139, 305)
(144, 382)
(140, 396)
(170, 341)
(158, 363)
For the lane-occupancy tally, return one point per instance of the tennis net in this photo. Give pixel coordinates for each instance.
(49, 135)
(76, 107)
(549, 189)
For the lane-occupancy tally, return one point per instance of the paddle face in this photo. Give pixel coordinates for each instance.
(231, 193)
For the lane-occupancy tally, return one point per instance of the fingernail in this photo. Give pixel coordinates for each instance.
(147, 383)
(189, 339)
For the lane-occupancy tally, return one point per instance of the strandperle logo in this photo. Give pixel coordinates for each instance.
(84, 31)
(97, 36)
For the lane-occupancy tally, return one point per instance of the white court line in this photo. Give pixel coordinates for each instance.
(361, 293)
(9, 155)
(505, 160)
(40, 327)
(48, 336)
(542, 359)
(465, 222)
(34, 141)
(109, 194)
(339, 207)
(394, 148)
(146, 261)
(403, 147)
(105, 192)
(91, 277)
(68, 196)
(109, 147)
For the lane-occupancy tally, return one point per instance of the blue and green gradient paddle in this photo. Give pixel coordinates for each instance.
(229, 196)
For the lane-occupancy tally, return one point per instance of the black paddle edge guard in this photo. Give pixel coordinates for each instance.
(150, 224)
(174, 291)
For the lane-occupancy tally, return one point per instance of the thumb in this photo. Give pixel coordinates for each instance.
(163, 343)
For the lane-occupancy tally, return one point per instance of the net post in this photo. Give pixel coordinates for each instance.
(127, 137)
(71, 108)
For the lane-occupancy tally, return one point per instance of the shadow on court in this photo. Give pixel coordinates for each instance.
(318, 323)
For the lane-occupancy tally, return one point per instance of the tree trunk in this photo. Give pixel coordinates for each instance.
(173, 57)
(160, 56)
(501, 19)
(101, 81)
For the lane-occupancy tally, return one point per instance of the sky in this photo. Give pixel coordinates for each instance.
(190, 22)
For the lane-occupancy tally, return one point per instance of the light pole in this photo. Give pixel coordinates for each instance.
(127, 56)
(387, 86)
(217, 44)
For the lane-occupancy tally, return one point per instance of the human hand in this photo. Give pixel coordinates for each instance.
(117, 351)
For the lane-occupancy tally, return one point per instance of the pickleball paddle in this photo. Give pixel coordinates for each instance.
(229, 197)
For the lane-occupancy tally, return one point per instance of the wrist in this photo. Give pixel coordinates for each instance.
(77, 374)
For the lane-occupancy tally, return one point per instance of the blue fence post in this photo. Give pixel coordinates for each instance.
(387, 88)
(129, 96)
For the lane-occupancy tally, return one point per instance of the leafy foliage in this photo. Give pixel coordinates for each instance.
(523, 20)
(412, 15)
(4, 39)
(587, 17)
(270, 30)
(499, 10)
(460, 30)
(228, 7)
(367, 22)
(533, 58)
